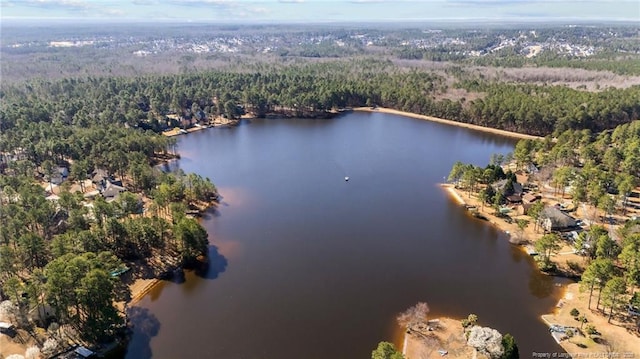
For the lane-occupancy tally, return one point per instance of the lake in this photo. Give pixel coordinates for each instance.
(304, 264)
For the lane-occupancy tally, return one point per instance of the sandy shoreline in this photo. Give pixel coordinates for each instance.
(177, 132)
(140, 288)
(487, 211)
(449, 122)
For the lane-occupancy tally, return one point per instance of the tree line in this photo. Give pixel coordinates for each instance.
(305, 90)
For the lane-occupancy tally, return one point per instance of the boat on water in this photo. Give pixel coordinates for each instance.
(346, 178)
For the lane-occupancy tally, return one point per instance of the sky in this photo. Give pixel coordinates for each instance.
(319, 11)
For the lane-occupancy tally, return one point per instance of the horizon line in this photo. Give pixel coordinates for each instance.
(290, 22)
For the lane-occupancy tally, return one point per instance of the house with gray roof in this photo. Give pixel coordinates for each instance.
(111, 191)
(553, 219)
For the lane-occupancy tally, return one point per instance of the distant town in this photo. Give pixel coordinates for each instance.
(468, 43)
(136, 48)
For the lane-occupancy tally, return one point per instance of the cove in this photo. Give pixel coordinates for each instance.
(307, 265)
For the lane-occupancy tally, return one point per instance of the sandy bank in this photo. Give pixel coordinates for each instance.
(511, 229)
(453, 193)
(449, 122)
(140, 288)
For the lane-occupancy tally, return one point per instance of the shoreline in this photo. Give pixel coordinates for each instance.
(570, 295)
(502, 226)
(485, 129)
(449, 122)
(140, 288)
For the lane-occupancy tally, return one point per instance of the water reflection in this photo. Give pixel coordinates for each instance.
(145, 327)
(541, 285)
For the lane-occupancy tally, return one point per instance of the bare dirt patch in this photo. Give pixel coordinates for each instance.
(575, 78)
(438, 338)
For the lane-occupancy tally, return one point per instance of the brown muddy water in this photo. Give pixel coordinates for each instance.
(304, 264)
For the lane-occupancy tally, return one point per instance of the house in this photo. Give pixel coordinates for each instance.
(530, 197)
(502, 184)
(59, 175)
(553, 219)
(514, 198)
(99, 175)
(112, 190)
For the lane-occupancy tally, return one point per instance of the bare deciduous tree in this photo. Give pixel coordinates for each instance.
(416, 314)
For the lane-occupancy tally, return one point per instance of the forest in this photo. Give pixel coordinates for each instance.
(306, 89)
(62, 252)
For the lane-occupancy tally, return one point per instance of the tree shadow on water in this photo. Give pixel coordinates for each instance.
(205, 268)
(215, 265)
(144, 326)
(211, 213)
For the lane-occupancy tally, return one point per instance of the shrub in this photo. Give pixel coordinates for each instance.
(510, 347)
(471, 320)
(386, 350)
(590, 329)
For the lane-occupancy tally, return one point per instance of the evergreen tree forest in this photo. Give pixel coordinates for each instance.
(305, 90)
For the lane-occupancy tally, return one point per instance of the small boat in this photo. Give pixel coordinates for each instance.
(346, 178)
(531, 251)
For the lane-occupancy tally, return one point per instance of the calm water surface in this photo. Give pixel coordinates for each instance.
(306, 265)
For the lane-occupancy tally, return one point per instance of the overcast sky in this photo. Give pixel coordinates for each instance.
(323, 10)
